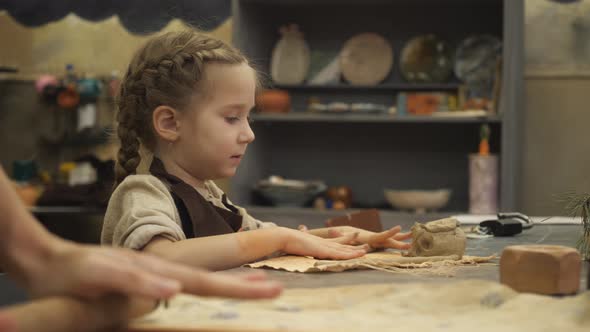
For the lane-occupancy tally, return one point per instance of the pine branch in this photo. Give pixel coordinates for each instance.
(579, 205)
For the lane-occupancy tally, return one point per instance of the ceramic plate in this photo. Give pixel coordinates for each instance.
(426, 59)
(366, 59)
(475, 60)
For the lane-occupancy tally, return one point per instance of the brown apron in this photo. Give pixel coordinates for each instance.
(199, 217)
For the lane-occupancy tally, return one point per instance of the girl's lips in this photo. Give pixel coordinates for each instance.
(236, 160)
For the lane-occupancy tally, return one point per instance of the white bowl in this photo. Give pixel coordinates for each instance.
(419, 201)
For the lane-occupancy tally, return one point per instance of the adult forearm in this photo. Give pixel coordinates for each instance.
(20, 234)
(63, 314)
(222, 252)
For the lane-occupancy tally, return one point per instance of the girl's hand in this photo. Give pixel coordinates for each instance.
(92, 271)
(336, 236)
(304, 244)
(391, 238)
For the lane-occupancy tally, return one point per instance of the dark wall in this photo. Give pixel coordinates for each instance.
(138, 16)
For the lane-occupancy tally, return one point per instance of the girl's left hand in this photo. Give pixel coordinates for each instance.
(304, 244)
(391, 238)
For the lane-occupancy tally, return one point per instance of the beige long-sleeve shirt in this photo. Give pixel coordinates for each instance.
(142, 207)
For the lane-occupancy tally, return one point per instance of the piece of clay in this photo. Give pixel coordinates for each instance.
(541, 269)
(441, 237)
(365, 219)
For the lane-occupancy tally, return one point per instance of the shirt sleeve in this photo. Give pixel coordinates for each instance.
(141, 208)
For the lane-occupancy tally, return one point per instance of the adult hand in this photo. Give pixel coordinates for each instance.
(91, 271)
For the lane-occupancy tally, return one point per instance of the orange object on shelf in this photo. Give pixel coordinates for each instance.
(341, 194)
(423, 103)
(477, 104)
(484, 143)
(273, 101)
(484, 148)
(28, 193)
(68, 98)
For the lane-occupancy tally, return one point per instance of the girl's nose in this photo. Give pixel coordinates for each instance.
(247, 136)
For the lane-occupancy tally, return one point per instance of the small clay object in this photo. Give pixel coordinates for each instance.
(273, 101)
(441, 237)
(365, 219)
(541, 269)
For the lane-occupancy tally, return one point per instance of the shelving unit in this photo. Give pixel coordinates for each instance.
(41, 211)
(371, 152)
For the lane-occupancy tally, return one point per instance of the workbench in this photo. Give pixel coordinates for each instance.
(540, 234)
(361, 300)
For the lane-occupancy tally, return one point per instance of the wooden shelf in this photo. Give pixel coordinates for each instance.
(67, 210)
(6, 69)
(364, 2)
(369, 118)
(365, 88)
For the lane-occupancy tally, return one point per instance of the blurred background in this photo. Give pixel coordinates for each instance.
(415, 107)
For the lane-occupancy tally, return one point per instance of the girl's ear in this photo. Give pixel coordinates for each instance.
(166, 123)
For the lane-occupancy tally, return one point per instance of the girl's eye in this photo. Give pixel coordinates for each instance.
(232, 119)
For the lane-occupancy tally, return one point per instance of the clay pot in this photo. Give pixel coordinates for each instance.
(273, 101)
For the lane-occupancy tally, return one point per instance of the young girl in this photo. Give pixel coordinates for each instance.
(186, 98)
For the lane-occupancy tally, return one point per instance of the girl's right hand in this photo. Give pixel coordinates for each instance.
(304, 244)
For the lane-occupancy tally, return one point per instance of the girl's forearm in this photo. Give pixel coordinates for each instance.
(222, 252)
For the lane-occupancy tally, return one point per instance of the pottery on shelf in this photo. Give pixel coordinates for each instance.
(290, 57)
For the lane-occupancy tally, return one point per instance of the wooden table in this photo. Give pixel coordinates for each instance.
(541, 234)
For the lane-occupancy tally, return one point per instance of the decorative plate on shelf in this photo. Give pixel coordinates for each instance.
(426, 59)
(476, 58)
(290, 57)
(366, 59)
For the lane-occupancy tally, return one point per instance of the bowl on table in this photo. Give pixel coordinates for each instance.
(293, 193)
(418, 201)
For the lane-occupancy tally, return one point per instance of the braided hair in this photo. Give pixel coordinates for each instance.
(164, 71)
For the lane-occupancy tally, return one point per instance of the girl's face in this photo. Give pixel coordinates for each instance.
(214, 130)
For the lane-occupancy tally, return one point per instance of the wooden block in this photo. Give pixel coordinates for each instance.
(366, 219)
(541, 269)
